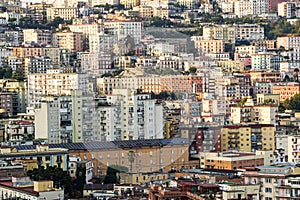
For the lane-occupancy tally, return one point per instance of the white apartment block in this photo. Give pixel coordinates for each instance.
(96, 64)
(103, 2)
(4, 53)
(219, 32)
(53, 120)
(120, 29)
(293, 148)
(101, 42)
(65, 13)
(54, 82)
(288, 42)
(73, 41)
(147, 83)
(261, 114)
(87, 29)
(141, 117)
(244, 8)
(169, 62)
(265, 61)
(33, 65)
(37, 36)
(251, 32)
(189, 4)
(287, 9)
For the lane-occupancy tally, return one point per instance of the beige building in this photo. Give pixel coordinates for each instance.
(65, 13)
(286, 90)
(37, 36)
(288, 42)
(247, 138)
(220, 32)
(210, 46)
(54, 82)
(73, 41)
(232, 65)
(250, 114)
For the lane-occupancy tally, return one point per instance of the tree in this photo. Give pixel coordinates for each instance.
(293, 103)
(111, 173)
(193, 70)
(56, 22)
(131, 158)
(58, 176)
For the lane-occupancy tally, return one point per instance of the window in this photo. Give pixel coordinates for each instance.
(268, 190)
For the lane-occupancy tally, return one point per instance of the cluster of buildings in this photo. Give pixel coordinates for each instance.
(188, 116)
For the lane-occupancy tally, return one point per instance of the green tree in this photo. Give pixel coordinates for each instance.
(58, 176)
(111, 173)
(293, 103)
(193, 70)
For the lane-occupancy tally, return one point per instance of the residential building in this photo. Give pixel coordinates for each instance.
(209, 46)
(19, 131)
(67, 13)
(72, 41)
(9, 104)
(96, 63)
(54, 82)
(286, 90)
(251, 32)
(244, 8)
(101, 42)
(120, 29)
(53, 120)
(287, 9)
(37, 156)
(143, 117)
(288, 42)
(254, 114)
(219, 32)
(232, 65)
(247, 138)
(37, 65)
(24, 188)
(265, 61)
(37, 36)
(230, 160)
(275, 181)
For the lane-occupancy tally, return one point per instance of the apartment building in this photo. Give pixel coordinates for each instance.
(248, 138)
(96, 63)
(254, 114)
(9, 104)
(58, 56)
(18, 87)
(209, 46)
(101, 42)
(37, 65)
(24, 188)
(244, 8)
(288, 42)
(37, 156)
(286, 90)
(54, 82)
(154, 84)
(230, 160)
(122, 28)
(232, 65)
(53, 120)
(66, 13)
(264, 61)
(219, 32)
(139, 155)
(73, 41)
(19, 131)
(143, 117)
(276, 181)
(251, 32)
(287, 9)
(37, 36)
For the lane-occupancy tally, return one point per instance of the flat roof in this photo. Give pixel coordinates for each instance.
(113, 144)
